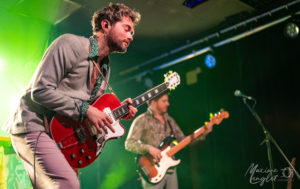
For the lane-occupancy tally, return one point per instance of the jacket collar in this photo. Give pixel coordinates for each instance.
(94, 50)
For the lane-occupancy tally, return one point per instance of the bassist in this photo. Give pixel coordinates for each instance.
(147, 132)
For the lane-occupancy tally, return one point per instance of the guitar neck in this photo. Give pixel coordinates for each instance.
(187, 140)
(140, 100)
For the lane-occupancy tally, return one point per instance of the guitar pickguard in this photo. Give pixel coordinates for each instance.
(102, 137)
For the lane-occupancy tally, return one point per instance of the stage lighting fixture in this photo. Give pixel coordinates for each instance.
(210, 61)
(192, 3)
(291, 29)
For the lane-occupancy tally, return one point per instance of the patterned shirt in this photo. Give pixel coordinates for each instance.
(146, 130)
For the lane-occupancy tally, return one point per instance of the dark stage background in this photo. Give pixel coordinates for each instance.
(264, 66)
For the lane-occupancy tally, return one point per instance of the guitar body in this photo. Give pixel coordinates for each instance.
(80, 142)
(154, 172)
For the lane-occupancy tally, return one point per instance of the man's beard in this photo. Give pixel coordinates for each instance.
(163, 110)
(114, 46)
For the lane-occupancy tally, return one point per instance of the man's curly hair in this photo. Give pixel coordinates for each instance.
(114, 13)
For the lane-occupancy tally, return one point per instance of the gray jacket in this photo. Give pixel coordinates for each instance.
(59, 85)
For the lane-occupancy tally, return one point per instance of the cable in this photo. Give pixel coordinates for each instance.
(34, 159)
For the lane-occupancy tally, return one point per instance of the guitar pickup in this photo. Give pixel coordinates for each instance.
(145, 170)
(80, 134)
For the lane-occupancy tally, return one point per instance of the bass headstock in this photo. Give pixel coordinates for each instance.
(218, 117)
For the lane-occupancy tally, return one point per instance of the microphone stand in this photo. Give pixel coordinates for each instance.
(267, 141)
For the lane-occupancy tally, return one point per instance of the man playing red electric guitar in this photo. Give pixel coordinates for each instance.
(72, 74)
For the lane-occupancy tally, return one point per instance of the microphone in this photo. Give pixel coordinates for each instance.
(238, 93)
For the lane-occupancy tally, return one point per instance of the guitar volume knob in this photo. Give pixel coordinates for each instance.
(88, 157)
(73, 156)
(81, 151)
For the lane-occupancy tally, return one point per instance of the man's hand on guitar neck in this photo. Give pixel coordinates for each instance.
(99, 119)
(155, 153)
(132, 110)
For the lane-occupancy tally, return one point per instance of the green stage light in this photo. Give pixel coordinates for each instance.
(24, 37)
(13, 102)
(1, 65)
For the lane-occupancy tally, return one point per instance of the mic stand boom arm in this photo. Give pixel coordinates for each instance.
(267, 140)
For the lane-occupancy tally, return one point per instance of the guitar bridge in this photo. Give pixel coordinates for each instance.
(100, 140)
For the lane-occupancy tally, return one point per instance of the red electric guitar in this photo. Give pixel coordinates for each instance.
(81, 143)
(154, 172)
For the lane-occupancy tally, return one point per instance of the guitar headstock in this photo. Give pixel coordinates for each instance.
(217, 118)
(172, 79)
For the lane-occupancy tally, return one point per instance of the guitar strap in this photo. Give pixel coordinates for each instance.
(168, 123)
(98, 69)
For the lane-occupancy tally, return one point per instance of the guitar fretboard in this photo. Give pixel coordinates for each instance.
(138, 101)
(185, 142)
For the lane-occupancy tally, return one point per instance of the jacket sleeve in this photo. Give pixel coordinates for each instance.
(56, 64)
(133, 141)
